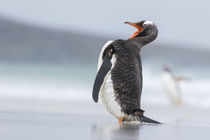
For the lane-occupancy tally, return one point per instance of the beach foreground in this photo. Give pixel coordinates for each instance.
(75, 121)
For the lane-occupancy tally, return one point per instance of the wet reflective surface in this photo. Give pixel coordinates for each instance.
(33, 126)
(117, 132)
(147, 132)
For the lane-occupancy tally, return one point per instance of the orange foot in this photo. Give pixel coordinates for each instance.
(120, 120)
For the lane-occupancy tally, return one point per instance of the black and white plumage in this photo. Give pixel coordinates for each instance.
(119, 77)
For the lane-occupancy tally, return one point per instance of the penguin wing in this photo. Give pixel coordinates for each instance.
(104, 69)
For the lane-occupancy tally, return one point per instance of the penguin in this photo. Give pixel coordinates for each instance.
(119, 74)
(171, 86)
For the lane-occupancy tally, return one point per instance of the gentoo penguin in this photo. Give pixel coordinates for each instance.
(119, 77)
(171, 86)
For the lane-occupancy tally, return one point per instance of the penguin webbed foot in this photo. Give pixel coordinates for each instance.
(120, 120)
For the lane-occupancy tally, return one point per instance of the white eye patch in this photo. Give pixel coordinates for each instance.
(147, 22)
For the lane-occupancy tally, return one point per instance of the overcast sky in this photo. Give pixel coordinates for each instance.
(179, 21)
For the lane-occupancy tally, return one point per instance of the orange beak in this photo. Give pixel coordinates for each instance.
(136, 26)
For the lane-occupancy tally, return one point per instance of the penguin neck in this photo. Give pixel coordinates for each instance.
(146, 37)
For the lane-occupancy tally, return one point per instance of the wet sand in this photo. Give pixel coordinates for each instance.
(78, 121)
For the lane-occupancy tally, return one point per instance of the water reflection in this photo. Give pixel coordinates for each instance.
(123, 131)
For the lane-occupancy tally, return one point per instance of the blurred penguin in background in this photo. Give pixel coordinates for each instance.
(171, 86)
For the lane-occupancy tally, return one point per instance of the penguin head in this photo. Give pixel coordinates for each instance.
(167, 68)
(145, 28)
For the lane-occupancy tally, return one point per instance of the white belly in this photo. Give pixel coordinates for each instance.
(171, 88)
(108, 98)
(107, 92)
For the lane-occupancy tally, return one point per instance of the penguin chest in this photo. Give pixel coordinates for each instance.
(171, 88)
(107, 96)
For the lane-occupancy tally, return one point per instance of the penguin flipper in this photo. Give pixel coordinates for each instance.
(138, 114)
(104, 69)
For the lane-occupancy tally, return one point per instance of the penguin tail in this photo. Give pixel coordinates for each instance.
(138, 114)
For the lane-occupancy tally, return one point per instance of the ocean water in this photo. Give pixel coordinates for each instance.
(74, 82)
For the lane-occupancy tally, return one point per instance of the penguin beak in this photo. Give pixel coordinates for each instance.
(136, 26)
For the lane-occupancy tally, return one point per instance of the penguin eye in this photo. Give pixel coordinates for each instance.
(145, 25)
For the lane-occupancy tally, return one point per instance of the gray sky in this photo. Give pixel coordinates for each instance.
(179, 21)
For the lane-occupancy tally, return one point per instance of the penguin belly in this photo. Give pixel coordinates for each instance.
(171, 88)
(108, 97)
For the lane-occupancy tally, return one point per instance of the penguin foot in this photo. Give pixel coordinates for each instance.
(120, 120)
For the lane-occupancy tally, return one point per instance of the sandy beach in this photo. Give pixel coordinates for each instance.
(54, 120)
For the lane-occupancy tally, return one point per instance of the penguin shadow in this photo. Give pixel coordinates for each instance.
(124, 131)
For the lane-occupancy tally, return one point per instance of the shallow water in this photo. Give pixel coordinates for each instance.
(74, 82)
